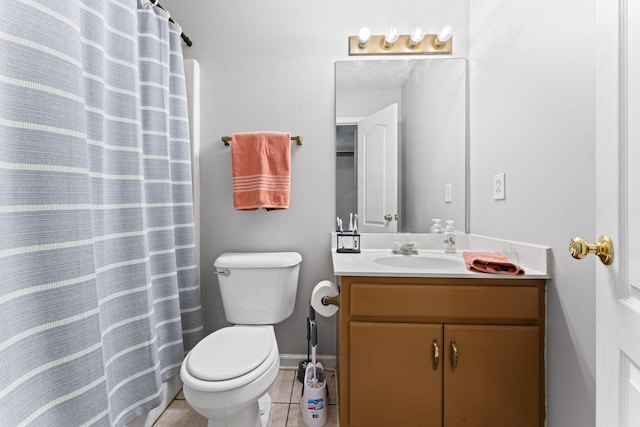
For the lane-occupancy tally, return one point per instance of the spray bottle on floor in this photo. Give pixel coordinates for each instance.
(313, 404)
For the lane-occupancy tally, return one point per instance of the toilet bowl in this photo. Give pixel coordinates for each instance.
(227, 374)
(227, 387)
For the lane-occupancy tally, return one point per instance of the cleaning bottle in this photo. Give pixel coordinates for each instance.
(436, 228)
(449, 238)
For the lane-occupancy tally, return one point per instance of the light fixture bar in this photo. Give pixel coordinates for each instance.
(429, 45)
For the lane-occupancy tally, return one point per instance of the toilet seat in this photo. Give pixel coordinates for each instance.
(230, 353)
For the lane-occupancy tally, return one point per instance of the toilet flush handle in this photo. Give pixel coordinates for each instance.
(222, 272)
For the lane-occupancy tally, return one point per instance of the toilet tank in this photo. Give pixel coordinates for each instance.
(258, 288)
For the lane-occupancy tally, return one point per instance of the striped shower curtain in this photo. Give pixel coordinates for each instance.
(99, 292)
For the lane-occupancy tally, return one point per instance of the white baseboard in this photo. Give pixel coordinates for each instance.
(292, 360)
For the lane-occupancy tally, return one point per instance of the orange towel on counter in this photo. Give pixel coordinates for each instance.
(261, 170)
(490, 262)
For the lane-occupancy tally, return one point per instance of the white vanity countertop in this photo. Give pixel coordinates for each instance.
(377, 259)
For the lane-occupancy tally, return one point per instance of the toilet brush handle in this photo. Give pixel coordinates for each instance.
(312, 312)
(314, 334)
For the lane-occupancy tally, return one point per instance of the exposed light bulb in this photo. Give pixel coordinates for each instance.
(363, 36)
(444, 35)
(416, 37)
(391, 37)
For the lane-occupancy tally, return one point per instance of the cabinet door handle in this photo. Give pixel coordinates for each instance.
(454, 355)
(436, 354)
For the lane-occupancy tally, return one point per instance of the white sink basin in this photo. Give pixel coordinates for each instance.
(430, 261)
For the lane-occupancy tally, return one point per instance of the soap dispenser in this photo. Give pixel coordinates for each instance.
(436, 228)
(449, 238)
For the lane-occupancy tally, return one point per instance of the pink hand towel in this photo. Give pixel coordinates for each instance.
(261, 170)
(490, 262)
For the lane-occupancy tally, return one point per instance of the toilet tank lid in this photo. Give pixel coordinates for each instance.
(257, 259)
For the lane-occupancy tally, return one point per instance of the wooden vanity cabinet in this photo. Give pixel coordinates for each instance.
(441, 352)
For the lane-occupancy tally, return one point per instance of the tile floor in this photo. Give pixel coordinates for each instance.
(285, 410)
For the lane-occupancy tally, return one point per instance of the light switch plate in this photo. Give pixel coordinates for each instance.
(499, 189)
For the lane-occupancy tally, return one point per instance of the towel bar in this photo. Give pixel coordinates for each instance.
(297, 139)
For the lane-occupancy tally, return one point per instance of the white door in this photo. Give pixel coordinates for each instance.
(378, 171)
(618, 212)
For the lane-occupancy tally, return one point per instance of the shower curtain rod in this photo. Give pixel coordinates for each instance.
(184, 37)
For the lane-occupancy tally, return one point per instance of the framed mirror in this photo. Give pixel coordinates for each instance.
(402, 143)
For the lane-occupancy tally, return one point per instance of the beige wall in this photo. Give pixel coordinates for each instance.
(269, 66)
(532, 117)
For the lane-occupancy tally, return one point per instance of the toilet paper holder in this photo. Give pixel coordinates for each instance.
(326, 300)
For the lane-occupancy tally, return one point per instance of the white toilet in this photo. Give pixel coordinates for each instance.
(226, 375)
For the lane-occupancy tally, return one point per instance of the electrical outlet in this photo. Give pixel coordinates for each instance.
(448, 193)
(499, 189)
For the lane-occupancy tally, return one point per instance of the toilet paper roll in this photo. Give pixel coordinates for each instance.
(323, 289)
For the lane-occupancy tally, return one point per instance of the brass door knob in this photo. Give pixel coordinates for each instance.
(603, 248)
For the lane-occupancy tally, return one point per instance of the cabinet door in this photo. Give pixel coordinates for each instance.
(496, 381)
(393, 379)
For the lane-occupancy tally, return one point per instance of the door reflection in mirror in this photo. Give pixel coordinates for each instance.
(431, 131)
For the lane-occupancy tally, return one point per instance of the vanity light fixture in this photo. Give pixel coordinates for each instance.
(363, 37)
(393, 43)
(416, 37)
(444, 35)
(391, 37)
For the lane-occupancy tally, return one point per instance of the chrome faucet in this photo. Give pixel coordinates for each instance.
(408, 248)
